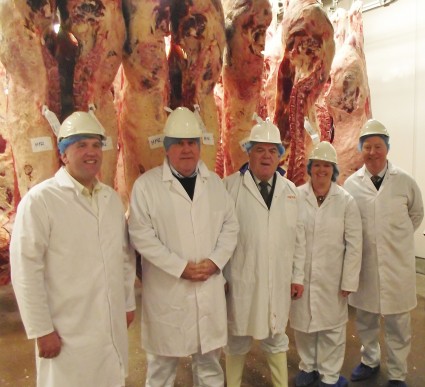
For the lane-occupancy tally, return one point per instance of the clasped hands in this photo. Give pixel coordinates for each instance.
(199, 271)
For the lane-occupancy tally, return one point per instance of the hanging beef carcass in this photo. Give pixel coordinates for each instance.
(246, 23)
(197, 45)
(146, 86)
(309, 48)
(348, 97)
(8, 189)
(99, 32)
(26, 51)
(320, 116)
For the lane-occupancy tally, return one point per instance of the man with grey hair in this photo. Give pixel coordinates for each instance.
(391, 208)
(183, 224)
(267, 267)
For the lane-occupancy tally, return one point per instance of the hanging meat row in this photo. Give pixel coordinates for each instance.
(130, 59)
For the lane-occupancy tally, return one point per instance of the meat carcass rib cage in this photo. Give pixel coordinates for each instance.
(309, 48)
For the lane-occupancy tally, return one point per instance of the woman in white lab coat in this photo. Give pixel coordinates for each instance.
(333, 257)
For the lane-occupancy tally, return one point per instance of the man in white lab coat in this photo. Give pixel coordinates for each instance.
(267, 267)
(391, 208)
(182, 222)
(72, 267)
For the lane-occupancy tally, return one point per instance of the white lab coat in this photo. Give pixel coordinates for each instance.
(181, 317)
(73, 272)
(333, 259)
(269, 257)
(389, 217)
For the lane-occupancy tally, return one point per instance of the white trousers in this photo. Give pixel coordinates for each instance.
(206, 370)
(322, 351)
(241, 345)
(397, 339)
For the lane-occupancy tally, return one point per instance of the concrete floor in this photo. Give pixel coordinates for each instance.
(17, 353)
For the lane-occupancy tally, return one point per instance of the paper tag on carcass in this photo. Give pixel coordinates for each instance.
(41, 144)
(52, 119)
(156, 141)
(107, 144)
(208, 139)
(243, 142)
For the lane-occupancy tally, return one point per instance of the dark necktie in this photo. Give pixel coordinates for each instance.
(264, 191)
(376, 180)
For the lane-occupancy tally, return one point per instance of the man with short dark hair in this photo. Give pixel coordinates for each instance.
(72, 267)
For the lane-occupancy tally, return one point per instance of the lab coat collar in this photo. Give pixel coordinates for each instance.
(364, 175)
(64, 180)
(390, 170)
(202, 175)
(80, 187)
(250, 184)
(311, 197)
(245, 168)
(167, 174)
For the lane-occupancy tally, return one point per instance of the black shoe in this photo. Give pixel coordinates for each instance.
(397, 383)
(342, 382)
(363, 372)
(304, 379)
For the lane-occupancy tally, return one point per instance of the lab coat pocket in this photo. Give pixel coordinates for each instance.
(398, 212)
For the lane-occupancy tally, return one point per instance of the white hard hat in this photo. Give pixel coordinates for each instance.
(182, 123)
(372, 127)
(265, 131)
(80, 123)
(324, 151)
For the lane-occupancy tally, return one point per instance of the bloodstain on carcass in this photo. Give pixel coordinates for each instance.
(3, 144)
(9, 195)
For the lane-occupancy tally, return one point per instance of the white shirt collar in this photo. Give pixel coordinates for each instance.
(257, 181)
(179, 175)
(81, 188)
(381, 174)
